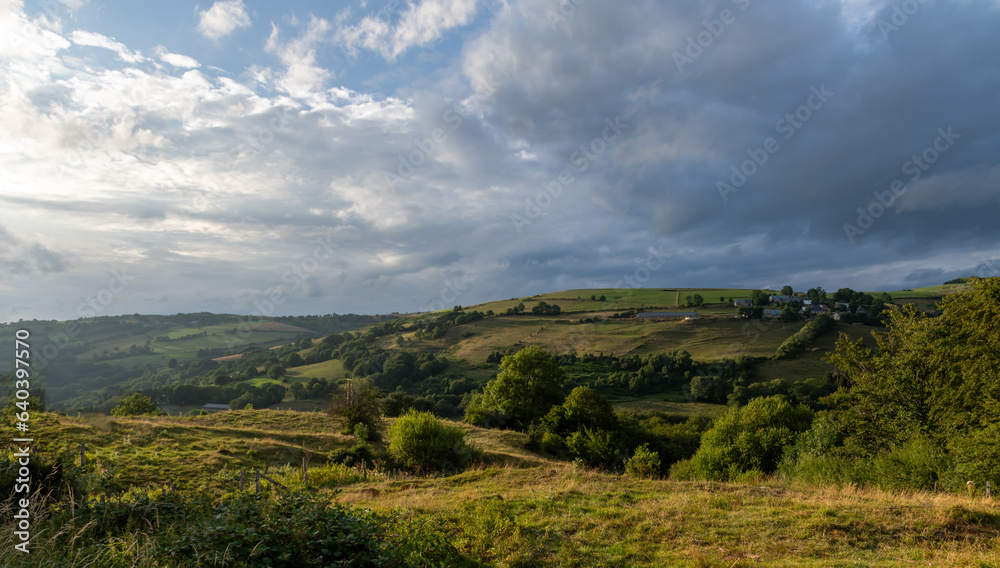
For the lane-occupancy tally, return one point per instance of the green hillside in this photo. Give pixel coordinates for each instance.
(603, 439)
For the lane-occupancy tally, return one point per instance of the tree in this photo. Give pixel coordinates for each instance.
(421, 441)
(529, 383)
(135, 405)
(293, 359)
(817, 295)
(755, 312)
(357, 402)
(171, 363)
(760, 298)
(276, 372)
(585, 408)
(787, 291)
(928, 376)
(928, 390)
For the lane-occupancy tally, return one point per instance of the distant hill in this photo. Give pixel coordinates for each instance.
(88, 364)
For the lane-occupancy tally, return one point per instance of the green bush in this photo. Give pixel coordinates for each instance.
(643, 463)
(420, 441)
(683, 470)
(917, 464)
(750, 439)
(135, 405)
(595, 447)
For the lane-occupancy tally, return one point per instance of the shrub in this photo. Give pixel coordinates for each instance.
(361, 432)
(361, 453)
(750, 439)
(595, 447)
(135, 405)
(643, 463)
(421, 441)
(917, 464)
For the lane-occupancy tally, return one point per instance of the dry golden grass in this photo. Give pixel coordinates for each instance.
(562, 514)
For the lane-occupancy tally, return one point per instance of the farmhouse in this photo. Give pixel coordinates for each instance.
(215, 407)
(771, 313)
(669, 315)
(780, 299)
(742, 303)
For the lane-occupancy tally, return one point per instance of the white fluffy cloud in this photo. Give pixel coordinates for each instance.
(209, 184)
(303, 77)
(421, 24)
(176, 59)
(223, 18)
(97, 40)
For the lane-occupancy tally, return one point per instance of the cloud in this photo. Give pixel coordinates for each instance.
(19, 258)
(97, 40)
(223, 18)
(303, 76)
(421, 24)
(210, 184)
(176, 59)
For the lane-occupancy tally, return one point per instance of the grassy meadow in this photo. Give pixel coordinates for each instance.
(518, 508)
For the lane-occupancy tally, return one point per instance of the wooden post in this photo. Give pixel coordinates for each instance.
(305, 471)
(257, 483)
(987, 489)
(242, 479)
(83, 455)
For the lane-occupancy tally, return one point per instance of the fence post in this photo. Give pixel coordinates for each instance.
(243, 479)
(257, 482)
(987, 489)
(305, 471)
(83, 455)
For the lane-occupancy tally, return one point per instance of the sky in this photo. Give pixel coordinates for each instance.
(310, 157)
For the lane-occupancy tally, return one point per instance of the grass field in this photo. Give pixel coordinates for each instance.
(517, 508)
(928, 292)
(198, 452)
(576, 301)
(708, 339)
(811, 364)
(332, 369)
